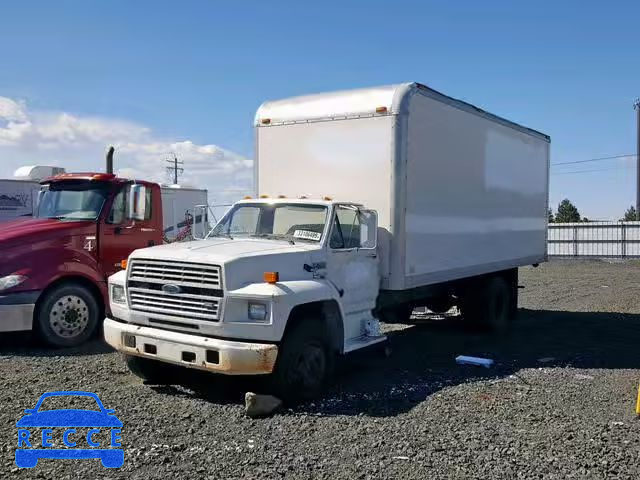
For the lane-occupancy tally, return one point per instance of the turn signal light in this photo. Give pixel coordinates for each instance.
(123, 264)
(271, 277)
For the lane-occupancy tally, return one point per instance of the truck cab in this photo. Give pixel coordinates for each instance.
(54, 265)
(265, 270)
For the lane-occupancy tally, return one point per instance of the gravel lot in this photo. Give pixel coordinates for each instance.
(559, 403)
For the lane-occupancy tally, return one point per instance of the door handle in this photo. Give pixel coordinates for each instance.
(117, 230)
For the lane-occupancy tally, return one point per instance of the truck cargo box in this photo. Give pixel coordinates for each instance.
(459, 192)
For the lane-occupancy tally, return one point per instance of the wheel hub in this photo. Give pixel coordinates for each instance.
(69, 316)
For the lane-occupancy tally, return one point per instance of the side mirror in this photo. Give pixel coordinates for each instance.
(368, 229)
(137, 202)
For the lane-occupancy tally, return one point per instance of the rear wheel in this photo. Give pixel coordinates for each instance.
(488, 304)
(304, 364)
(395, 314)
(67, 316)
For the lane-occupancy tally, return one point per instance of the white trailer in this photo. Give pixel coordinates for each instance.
(184, 208)
(305, 271)
(19, 195)
(17, 198)
(459, 192)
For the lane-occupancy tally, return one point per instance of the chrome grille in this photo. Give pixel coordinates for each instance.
(198, 298)
(178, 273)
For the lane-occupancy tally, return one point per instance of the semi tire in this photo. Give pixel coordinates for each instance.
(67, 316)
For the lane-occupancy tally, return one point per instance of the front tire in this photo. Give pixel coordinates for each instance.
(304, 364)
(68, 316)
(152, 371)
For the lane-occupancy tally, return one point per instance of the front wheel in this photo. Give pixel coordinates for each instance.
(304, 364)
(152, 371)
(67, 315)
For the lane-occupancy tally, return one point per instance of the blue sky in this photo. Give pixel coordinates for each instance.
(195, 72)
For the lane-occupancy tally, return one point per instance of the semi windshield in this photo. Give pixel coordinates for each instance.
(280, 221)
(72, 201)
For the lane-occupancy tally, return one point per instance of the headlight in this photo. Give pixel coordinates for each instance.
(11, 281)
(257, 311)
(117, 294)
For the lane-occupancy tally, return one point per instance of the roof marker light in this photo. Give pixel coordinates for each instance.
(265, 121)
(248, 197)
(327, 199)
(264, 196)
(381, 109)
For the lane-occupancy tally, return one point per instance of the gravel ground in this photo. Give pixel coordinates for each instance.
(558, 404)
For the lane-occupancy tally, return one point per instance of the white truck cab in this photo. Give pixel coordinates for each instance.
(225, 303)
(437, 203)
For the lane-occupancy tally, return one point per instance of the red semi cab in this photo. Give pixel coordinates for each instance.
(54, 266)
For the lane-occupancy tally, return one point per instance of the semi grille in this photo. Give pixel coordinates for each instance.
(197, 298)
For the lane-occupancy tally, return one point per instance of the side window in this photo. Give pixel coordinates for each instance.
(118, 211)
(345, 231)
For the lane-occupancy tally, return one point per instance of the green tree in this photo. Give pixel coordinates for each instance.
(630, 214)
(550, 215)
(567, 212)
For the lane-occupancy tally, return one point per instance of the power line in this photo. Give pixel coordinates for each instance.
(612, 157)
(592, 170)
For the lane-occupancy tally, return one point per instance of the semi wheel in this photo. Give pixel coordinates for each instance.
(67, 316)
(151, 371)
(304, 364)
(488, 304)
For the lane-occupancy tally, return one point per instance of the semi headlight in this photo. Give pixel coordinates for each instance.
(257, 311)
(11, 281)
(117, 294)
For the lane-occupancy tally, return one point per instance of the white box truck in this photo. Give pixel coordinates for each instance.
(370, 202)
(19, 195)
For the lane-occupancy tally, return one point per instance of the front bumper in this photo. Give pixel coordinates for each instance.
(192, 351)
(16, 311)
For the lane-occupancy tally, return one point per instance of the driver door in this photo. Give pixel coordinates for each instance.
(352, 265)
(121, 233)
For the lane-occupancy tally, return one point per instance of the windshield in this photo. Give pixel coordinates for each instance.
(71, 201)
(281, 221)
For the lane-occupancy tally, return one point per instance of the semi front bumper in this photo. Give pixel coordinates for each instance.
(16, 311)
(192, 351)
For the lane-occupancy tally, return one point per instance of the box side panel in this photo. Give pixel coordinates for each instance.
(476, 194)
(347, 160)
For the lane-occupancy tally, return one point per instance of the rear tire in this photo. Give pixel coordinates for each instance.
(395, 314)
(489, 304)
(152, 371)
(305, 363)
(67, 316)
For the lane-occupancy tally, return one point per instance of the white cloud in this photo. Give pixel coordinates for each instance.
(78, 143)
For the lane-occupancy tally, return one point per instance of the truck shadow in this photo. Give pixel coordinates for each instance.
(423, 358)
(25, 344)
(423, 361)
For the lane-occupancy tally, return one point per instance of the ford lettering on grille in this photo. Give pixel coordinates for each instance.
(178, 290)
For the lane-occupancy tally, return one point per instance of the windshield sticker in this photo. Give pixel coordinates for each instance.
(307, 235)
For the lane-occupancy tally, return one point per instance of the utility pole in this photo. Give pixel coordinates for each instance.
(175, 169)
(636, 105)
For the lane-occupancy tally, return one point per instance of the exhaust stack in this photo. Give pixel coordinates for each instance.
(110, 160)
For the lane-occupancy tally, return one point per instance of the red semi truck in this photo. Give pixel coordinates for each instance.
(54, 266)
